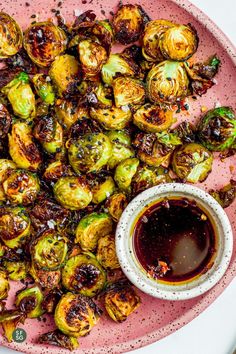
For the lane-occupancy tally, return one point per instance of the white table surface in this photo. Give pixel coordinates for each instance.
(214, 331)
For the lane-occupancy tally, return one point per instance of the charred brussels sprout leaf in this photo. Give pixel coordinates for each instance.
(29, 301)
(43, 42)
(72, 193)
(170, 140)
(153, 118)
(116, 204)
(76, 315)
(83, 274)
(226, 195)
(5, 121)
(217, 129)
(49, 251)
(22, 149)
(151, 39)
(112, 118)
(59, 339)
(92, 56)
(6, 166)
(4, 285)
(128, 23)
(90, 153)
(124, 173)
(21, 96)
(102, 190)
(128, 91)
(69, 112)
(106, 252)
(21, 187)
(167, 82)
(9, 319)
(120, 301)
(10, 36)
(14, 226)
(90, 228)
(65, 74)
(104, 32)
(44, 88)
(16, 270)
(179, 42)
(192, 162)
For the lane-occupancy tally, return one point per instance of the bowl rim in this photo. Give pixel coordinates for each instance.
(139, 277)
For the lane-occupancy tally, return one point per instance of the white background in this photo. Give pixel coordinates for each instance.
(214, 331)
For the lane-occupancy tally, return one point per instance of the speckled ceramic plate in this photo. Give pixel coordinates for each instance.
(155, 318)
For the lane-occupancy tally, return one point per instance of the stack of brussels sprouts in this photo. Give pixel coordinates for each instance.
(82, 131)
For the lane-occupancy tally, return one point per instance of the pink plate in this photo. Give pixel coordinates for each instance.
(155, 318)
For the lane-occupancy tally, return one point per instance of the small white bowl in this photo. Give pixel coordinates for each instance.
(137, 274)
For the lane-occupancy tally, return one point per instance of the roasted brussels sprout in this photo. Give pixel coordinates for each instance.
(100, 97)
(121, 148)
(65, 74)
(106, 252)
(113, 117)
(50, 133)
(167, 82)
(6, 166)
(57, 169)
(69, 112)
(128, 23)
(102, 190)
(128, 91)
(5, 121)
(217, 129)
(226, 195)
(44, 88)
(118, 65)
(4, 285)
(92, 56)
(186, 132)
(49, 251)
(59, 339)
(10, 36)
(151, 39)
(9, 319)
(22, 149)
(124, 173)
(21, 187)
(104, 32)
(116, 204)
(43, 42)
(179, 42)
(120, 301)
(46, 279)
(72, 192)
(21, 96)
(75, 315)
(83, 274)
(192, 162)
(153, 118)
(89, 153)
(16, 270)
(29, 301)
(14, 226)
(90, 228)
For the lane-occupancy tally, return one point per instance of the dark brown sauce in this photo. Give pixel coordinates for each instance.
(174, 240)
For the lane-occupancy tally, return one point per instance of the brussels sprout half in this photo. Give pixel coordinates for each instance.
(121, 149)
(192, 162)
(112, 118)
(6, 166)
(83, 274)
(46, 279)
(49, 251)
(29, 301)
(106, 252)
(217, 129)
(117, 64)
(22, 149)
(4, 285)
(44, 88)
(72, 193)
(102, 190)
(90, 152)
(21, 96)
(92, 56)
(103, 30)
(124, 173)
(151, 39)
(69, 112)
(43, 42)
(128, 91)
(76, 315)
(167, 82)
(21, 187)
(11, 37)
(16, 270)
(57, 169)
(153, 118)
(65, 74)
(120, 301)
(116, 204)
(14, 226)
(90, 228)
(58, 339)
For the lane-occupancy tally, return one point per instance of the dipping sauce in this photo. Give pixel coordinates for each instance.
(174, 240)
